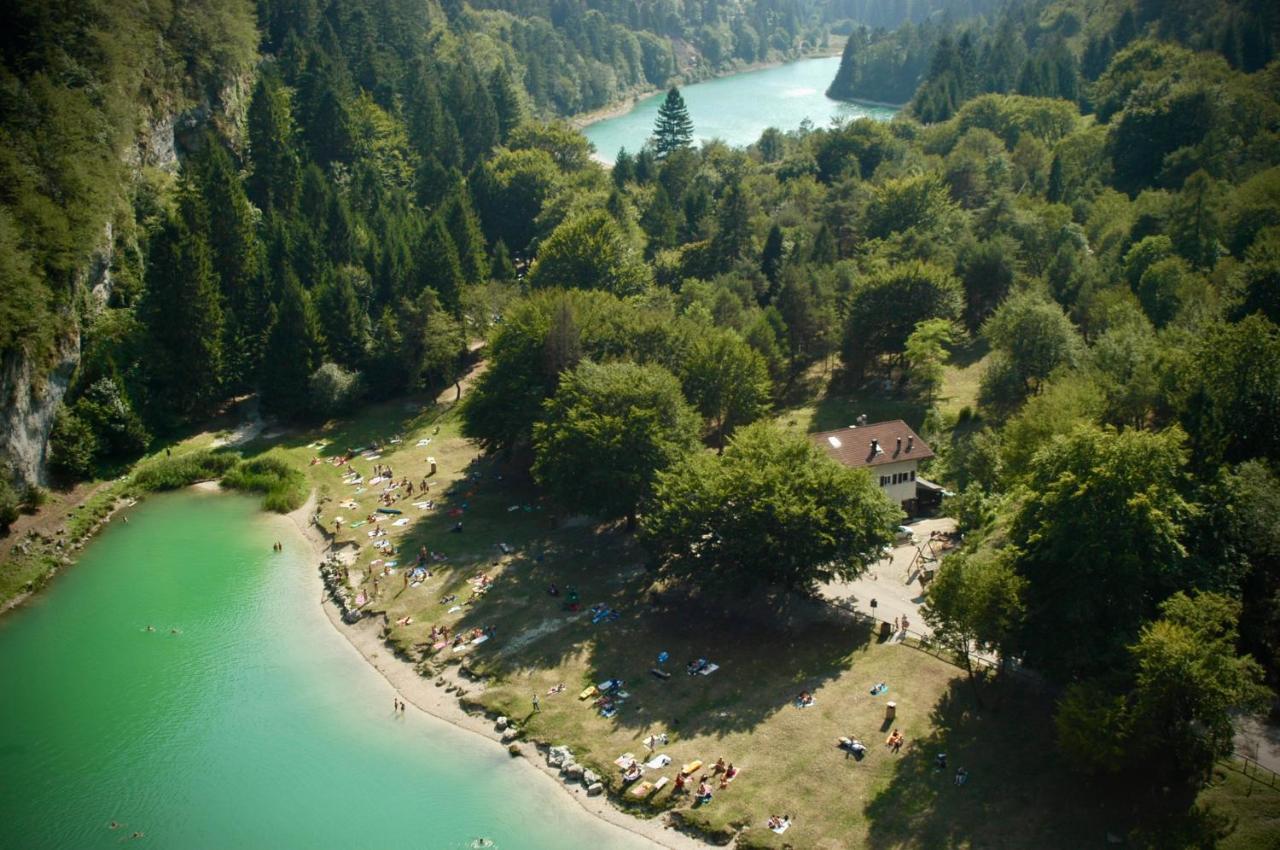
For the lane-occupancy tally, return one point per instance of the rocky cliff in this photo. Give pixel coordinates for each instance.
(31, 394)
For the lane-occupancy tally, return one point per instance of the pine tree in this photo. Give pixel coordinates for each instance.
(1057, 190)
(275, 180)
(732, 240)
(506, 101)
(500, 267)
(824, 251)
(344, 321)
(674, 129)
(237, 258)
(291, 348)
(771, 258)
(464, 230)
(436, 265)
(183, 314)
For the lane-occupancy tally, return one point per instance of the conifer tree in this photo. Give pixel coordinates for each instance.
(506, 102)
(674, 129)
(771, 259)
(291, 349)
(501, 268)
(276, 176)
(183, 314)
(468, 238)
(436, 265)
(732, 240)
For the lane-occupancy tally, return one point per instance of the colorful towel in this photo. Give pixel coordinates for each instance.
(658, 762)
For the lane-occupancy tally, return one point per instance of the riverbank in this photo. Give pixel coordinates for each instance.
(439, 698)
(628, 101)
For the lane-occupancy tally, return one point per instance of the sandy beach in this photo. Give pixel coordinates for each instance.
(434, 700)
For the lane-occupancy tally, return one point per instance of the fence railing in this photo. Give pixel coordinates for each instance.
(1254, 770)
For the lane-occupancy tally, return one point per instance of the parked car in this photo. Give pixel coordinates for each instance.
(904, 535)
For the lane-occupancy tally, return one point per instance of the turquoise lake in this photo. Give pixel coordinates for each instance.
(738, 108)
(256, 725)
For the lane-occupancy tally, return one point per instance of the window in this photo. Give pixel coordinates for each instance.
(884, 481)
(913, 475)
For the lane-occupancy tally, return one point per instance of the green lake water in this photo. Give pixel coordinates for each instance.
(738, 108)
(256, 726)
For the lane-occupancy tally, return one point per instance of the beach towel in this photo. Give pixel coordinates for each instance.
(879, 689)
(392, 511)
(373, 457)
(358, 524)
(416, 584)
(691, 767)
(422, 506)
(812, 702)
(360, 600)
(441, 645)
(663, 780)
(658, 762)
(786, 824)
(480, 640)
(393, 563)
(642, 789)
(454, 609)
(589, 692)
(625, 760)
(425, 442)
(401, 522)
(708, 670)
(737, 771)
(608, 712)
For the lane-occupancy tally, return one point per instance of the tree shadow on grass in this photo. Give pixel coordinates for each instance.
(1019, 792)
(765, 657)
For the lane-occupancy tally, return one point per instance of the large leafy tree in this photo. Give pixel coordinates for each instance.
(674, 128)
(591, 251)
(1183, 684)
(772, 512)
(727, 381)
(886, 309)
(1031, 337)
(606, 434)
(1099, 539)
(975, 604)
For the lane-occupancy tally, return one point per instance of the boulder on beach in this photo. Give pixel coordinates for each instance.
(501, 723)
(574, 771)
(595, 789)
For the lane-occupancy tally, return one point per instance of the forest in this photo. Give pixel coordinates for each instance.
(1085, 199)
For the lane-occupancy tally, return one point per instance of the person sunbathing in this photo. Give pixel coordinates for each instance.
(774, 822)
(704, 792)
(730, 772)
(718, 767)
(632, 773)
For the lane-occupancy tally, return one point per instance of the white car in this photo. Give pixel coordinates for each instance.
(903, 534)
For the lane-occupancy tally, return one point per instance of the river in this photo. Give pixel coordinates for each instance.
(738, 108)
(255, 725)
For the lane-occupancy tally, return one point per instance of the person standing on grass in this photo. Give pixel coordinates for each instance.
(537, 706)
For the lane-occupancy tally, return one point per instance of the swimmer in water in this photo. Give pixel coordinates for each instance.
(151, 628)
(114, 825)
(174, 632)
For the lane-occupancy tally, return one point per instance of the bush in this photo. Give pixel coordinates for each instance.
(170, 473)
(8, 504)
(32, 499)
(333, 389)
(283, 487)
(72, 445)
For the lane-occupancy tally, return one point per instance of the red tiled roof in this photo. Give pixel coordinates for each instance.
(852, 446)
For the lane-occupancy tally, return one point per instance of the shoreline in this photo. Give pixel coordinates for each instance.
(582, 120)
(442, 705)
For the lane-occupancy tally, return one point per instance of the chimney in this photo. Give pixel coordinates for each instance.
(910, 442)
(898, 449)
(875, 447)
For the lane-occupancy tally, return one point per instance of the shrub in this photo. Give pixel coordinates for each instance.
(333, 389)
(8, 503)
(72, 445)
(170, 473)
(283, 487)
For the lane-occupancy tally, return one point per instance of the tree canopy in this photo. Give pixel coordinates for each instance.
(772, 512)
